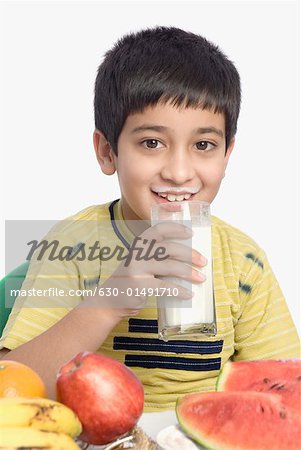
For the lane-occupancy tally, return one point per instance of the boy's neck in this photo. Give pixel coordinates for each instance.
(136, 227)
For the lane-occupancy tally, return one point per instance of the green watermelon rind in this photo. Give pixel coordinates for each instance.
(221, 382)
(223, 376)
(191, 433)
(214, 442)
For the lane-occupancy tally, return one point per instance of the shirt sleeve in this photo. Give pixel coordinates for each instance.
(264, 327)
(48, 293)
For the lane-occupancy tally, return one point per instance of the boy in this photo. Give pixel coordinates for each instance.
(166, 110)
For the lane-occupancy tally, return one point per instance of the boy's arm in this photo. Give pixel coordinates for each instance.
(47, 352)
(44, 333)
(264, 328)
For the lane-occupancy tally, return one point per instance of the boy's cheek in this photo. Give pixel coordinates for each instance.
(212, 175)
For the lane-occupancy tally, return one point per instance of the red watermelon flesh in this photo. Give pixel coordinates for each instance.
(280, 377)
(239, 421)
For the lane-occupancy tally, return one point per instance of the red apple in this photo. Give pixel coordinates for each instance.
(107, 396)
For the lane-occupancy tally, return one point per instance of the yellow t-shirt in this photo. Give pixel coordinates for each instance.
(253, 321)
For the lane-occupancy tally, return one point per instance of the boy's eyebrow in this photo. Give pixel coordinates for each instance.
(160, 128)
(149, 127)
(204, 130)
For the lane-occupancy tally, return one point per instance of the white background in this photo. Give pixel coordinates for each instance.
(50, 52)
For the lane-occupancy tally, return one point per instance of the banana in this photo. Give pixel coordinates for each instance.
(29, 438)
(39, 413)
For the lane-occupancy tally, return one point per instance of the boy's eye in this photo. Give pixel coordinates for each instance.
(151, 143)
(204, 145)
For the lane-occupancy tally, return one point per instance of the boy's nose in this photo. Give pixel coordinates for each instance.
(178, 168)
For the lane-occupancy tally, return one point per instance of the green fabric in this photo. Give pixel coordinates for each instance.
(13, 280)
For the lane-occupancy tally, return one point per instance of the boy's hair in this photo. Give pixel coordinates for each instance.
(164, 64)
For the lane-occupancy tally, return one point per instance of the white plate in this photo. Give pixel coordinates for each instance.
(172, 438)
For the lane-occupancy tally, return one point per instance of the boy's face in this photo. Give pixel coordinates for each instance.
(166, 147)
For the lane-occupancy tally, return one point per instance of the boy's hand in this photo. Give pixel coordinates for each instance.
(153, 254)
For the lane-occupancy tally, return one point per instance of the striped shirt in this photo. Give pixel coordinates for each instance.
(253, 320)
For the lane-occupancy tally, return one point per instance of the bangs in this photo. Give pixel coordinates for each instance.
(194, 100)
(164, 65)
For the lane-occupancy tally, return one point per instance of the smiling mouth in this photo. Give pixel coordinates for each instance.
(173, 197)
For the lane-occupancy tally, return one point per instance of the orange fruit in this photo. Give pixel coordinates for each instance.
(19, 380)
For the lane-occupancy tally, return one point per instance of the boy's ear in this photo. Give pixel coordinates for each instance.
(228, 153)
(104, 153)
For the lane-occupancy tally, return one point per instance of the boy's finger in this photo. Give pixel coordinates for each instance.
(181, 252)
(176, 269)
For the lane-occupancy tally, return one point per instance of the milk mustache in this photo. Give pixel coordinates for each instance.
(193, 317)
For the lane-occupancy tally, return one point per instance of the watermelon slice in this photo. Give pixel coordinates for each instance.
(239, 421)
(280, 377)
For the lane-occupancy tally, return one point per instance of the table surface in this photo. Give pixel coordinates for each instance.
(154, 422)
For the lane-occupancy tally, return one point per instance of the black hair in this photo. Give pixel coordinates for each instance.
(164, 64)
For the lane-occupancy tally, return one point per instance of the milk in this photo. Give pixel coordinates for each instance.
(196, 316)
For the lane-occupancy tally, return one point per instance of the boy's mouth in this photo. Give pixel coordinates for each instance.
(171, 197)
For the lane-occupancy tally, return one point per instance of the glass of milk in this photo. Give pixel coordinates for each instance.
(183, 318)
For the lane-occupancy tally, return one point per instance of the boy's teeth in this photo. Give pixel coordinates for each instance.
(173, 197)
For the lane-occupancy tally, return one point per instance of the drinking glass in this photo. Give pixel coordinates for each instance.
(177, 317)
